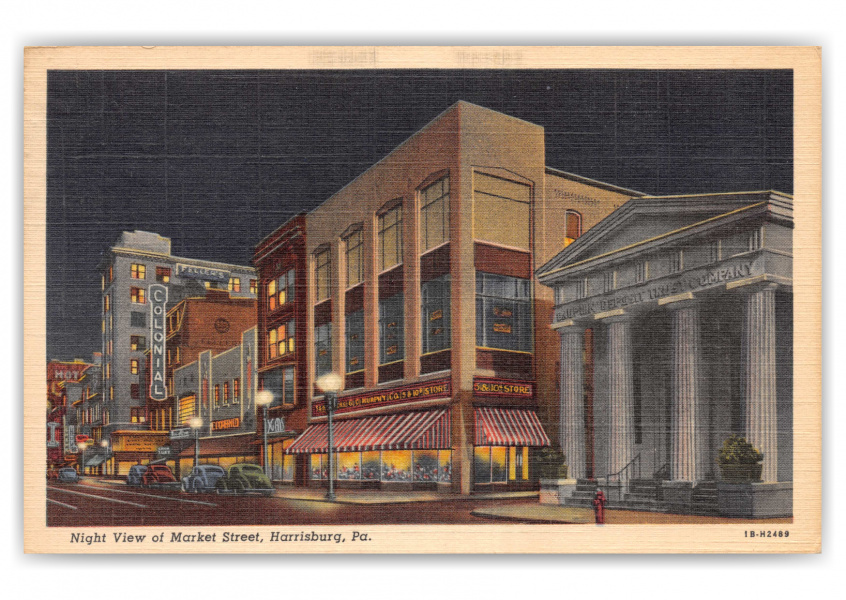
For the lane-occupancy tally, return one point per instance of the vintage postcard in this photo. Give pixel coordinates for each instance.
(422, 300)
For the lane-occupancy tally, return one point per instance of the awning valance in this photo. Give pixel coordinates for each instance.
(509, 427)
(424, 430)
(228, 445)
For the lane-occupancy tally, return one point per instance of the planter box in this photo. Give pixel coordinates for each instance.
(556, 491)
(741, 473)
(755, 500)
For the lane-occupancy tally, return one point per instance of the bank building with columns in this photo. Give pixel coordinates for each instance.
(675, 320)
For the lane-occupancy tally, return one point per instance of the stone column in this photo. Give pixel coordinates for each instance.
(620, 395)
(572, 418)
(688, 453)
(759, 333)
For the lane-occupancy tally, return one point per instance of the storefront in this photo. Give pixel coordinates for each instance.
(283, 466)
(130, 448)
(223, 450)
(504, 439)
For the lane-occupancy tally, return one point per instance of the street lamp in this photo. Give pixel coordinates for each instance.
(82, 446)
(330, 384)
(264, 398)
(196, 423)
(104, 443)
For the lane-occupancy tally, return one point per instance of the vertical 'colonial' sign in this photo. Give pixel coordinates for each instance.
(158, 333)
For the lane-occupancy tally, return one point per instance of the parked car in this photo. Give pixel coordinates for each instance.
(157, 475)
(244, 478)
(202, 478)
(67, 475)
(136, 472)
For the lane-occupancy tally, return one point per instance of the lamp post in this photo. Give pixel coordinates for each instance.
(104, 443)
(264, 398)
(196, 423)
(82, 446)
(330, 384)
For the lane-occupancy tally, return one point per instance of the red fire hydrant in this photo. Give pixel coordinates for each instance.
(599, 507)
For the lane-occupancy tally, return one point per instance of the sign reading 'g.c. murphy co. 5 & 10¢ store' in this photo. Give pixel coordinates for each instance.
(158, 301)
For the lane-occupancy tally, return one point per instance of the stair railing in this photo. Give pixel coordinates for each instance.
(630, 471)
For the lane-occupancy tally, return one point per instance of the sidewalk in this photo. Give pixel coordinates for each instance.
(373, 497)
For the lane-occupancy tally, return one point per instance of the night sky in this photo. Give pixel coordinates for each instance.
(216, 160)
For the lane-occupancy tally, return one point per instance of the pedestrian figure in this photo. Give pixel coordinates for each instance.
(599, 507)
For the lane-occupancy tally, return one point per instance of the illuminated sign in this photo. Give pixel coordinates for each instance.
(275, 426)
(483, 386)
(233, 423)
(182, 433)
(430, 390)
(158, 333)
(203, 273)
(52, 442)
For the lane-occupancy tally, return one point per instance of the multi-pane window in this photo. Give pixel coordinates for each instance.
(137, 414)
(355, 341)
(280, 340)
(137, 295)
(391, 329)
(138, 271)
(436, 314)
(322, 349)
(281, 383)
(280, 291)
(572, 227)
(322, 275)
(108, 370)
(133, 366)
(107, 303)
(501, 211)
(137, 342)
(236, 390)
(163, 274)
(217, 395)
(137, 319)
(434, 214)
(355, 259)
(390, 238)
(503, 312)
(254, 286)
(226, 393)
(135, 391)
(234, 284)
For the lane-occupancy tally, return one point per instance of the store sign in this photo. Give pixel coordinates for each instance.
(183, 433)
(164, 451)
(158, 333)
(274, 426)
(203, 273)
(140, 443)
(488, 386)
(52, 441)
(223, 424)
(411, 393)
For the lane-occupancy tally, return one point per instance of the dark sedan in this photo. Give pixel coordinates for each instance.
(202, 478)
(244, 478)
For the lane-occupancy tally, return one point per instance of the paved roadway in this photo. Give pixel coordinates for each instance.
(93, 503)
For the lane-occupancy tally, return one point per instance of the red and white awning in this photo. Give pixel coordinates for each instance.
(425, 430)
(509, 427)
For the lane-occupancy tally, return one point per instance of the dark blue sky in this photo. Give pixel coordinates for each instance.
(216, 160)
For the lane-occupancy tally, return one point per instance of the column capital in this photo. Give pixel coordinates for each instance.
(679, 301)
(618, 315)
(759, 283)
(570, 326)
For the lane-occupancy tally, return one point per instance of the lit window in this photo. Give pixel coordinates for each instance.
(207, 284)
(503, 312)
(280, 291)
(391, 329)
(434, 214)
(163, 274)
(138, 271)
(355, 260)
(234, 284)
(322, 266)
(137, 295)
(106, 303)
(253, 286)
(133, 366)
(108, 370)
(390, 238)
(501, 211)
(280, 340)
(217, 396)
(111, 393)
(226, 393)
(436, 314)
(111, 273)
(137, 414)
(572, 227)
(323, 349)
(236, 390)
(137, 342)
(355, 341)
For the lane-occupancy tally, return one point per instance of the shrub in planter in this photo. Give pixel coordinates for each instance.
(551, 464)
(739, 461)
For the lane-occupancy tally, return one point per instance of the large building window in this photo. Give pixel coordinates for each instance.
(355, 341)
(391, 329)
(106, 303)
(137, 342)
(572, 227)
(355, 258)
(138, 271)
(236, 390)
(501, 211)
(280, 340)
(390, 238)
(322, 349)
(163, 274)
(137, 295)
(234, 284)
(434, 214)
(503, 312)
(280, 291)
(281, 383)
(322, 274)
(435, 295)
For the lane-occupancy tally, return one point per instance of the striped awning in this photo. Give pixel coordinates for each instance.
(425, 430)
(509, 427)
